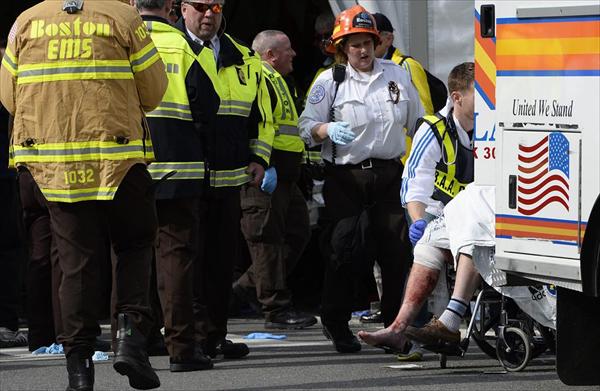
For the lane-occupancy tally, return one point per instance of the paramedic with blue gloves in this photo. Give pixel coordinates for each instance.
(340, 133)
(358, 112)
(275, 220)
(439, 166)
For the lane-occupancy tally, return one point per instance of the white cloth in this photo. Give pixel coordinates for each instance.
(418, 177)
(470, 218)
(215, 43)
(365, 102)
(470, 221)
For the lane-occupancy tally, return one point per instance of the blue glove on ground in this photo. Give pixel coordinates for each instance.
(269, 182)
(340, 133)
(416, 230)
(265, 336)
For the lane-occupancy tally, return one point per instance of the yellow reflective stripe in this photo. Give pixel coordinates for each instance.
(74, 70)
(144, 58)
(260, 148)
(9, 61)
(77, 195)
(185, 170)
(235, 107)
(288, 130)
(312, 156)
(11, 156)
(172, 110)
(224, 178)
(82, 151)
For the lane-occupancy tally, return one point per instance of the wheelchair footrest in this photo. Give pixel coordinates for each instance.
(449, 349)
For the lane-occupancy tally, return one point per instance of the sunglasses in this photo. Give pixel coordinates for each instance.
(201, 7)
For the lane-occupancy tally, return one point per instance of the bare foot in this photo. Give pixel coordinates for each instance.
(387, 338)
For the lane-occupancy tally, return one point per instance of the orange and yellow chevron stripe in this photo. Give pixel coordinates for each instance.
(548, 47)
(485, 66)
(548, 229)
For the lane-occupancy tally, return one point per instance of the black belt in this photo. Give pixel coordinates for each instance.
(366, 164)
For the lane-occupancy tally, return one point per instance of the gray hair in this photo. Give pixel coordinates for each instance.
(150, 4)
(265, 40)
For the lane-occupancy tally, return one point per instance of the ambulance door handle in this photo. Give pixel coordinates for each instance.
(487, 20)
(512, 191)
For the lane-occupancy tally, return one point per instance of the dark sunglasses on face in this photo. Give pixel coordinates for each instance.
(201, 7)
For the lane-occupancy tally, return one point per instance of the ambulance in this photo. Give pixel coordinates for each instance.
(537, 140)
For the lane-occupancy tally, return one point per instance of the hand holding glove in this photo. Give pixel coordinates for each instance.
(269, 182)
(340, 133)
(416, 230)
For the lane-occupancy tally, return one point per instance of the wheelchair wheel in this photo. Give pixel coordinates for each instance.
(515, 351)
(485, 331)
(485, 341)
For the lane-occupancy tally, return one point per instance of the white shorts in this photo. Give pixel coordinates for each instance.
(433, 249)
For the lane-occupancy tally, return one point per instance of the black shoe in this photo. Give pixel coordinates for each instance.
(248, 296)
(343, 339)
(102, 345)
(228, 349)
(196, 363)
(12, 339)
(81, 372)
(156, 346)
(373, 317)
(291, 320)
(131, 359)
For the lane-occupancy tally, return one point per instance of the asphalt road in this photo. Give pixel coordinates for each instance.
(303, 361)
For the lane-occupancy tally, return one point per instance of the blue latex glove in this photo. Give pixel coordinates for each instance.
(416, 230)
(269, 182)
(265, 336)
(340, 133)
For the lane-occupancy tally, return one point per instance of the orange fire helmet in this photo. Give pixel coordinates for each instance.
(353, 20)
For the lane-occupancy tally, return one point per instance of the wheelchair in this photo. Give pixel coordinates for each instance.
(500, 329)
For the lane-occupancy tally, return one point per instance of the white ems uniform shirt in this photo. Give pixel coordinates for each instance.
(364, 101)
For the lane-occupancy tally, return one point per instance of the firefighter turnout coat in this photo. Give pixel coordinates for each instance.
(77, 85)
(179, 123)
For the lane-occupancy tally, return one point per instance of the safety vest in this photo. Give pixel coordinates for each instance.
(454, 171)
(177, 143)
(241, 134)
(285, 116)
(77, 85)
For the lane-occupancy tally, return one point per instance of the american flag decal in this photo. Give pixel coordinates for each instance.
(543, 174)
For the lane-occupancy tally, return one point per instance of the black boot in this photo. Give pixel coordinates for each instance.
(131, 358)
(81, 372)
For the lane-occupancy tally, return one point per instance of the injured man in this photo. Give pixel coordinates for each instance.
(468, 220)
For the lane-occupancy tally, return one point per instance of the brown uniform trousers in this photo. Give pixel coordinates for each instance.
(43, 272)
(347, 190)
(80, 230)
(219, 211)
(178, 222)
(276, 228)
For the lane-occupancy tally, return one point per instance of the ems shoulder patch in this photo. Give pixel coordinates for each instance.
(317, 94)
